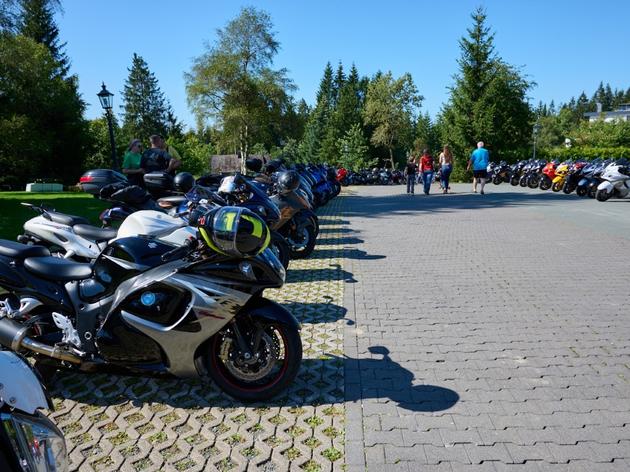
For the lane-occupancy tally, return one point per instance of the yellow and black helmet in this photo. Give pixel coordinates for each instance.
(234, 231)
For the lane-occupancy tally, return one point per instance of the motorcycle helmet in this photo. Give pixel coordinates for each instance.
(233, 231)
(183, 182)
(288, 181)
(254, 164)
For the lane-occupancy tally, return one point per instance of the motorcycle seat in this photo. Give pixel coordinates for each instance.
(56, 268)
(68, 220)
(95, 234)
(21, 251)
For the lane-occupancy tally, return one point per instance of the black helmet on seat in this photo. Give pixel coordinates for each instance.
(288, 181)
(183, 182)
(254, 164)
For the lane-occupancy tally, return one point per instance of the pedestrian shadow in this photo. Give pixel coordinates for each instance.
(327, 379)
(385, 380)
(317, 312)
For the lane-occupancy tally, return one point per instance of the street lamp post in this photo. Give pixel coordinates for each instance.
(107, 102)
(536, 130)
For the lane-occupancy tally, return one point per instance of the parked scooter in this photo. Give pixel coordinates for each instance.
(29, 441)
(148, 307)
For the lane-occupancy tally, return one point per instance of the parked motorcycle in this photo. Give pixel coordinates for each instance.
(501, 173)
(615, 181)
(548, 174)
(29, 441)
(148, 307)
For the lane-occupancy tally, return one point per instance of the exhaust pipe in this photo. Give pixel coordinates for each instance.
(13, 336)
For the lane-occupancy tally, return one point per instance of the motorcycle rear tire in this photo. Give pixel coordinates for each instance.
(568, 188)
(238, 388)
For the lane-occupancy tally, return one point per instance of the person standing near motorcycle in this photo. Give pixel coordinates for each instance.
(426, 169)
(410, 173)
(479, 162)
(446, 167)
(156, 158)
(131, 163)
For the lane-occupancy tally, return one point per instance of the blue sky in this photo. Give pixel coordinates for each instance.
(565, 46)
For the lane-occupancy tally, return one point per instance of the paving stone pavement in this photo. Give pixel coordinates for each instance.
(486, 332)
(125, 423)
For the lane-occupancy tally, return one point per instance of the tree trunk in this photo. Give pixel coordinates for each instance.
(391, 158)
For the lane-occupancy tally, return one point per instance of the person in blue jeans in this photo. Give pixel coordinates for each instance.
(426, 169)
(479, 162)
(446, 167)
(410, 173)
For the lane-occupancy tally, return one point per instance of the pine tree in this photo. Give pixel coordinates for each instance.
(145, 109)
(488, 101)
(339, 82)
(36, 21)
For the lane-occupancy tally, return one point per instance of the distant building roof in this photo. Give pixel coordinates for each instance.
(621, 113)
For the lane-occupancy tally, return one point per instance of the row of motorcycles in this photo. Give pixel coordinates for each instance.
(172, 284)
(598, 178)
(374, 176)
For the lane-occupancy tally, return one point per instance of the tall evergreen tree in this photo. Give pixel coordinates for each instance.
(36, 21)
(146, 110)
(488, 101)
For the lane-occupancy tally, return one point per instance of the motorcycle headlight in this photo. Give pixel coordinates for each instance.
(38, 442)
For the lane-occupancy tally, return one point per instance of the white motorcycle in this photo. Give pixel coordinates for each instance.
(72, 237)
(32, 442)
(616, 182)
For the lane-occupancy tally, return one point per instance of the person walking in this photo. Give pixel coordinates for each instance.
(446, 167)
(410, 173)
(479, 162)
(426, 168)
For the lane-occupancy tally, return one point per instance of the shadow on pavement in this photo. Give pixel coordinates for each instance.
(319, 381)
(385, 379)
(370, 206)
(347, 254)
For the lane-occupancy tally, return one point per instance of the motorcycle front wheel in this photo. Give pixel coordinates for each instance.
(264, 372)
(545, 183)
(581, 191)
(302, 241)
(496, 180)
(514, 181)
(280, 248)
(603, 195)
(556, 187)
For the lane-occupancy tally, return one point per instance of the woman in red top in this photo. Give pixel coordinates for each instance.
(426, 169)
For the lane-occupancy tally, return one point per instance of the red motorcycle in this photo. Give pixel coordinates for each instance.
(548, 174)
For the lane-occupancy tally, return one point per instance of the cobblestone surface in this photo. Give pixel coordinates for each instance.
(131, 423)
(490, 332)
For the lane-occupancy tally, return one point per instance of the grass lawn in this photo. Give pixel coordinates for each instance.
(13, 215)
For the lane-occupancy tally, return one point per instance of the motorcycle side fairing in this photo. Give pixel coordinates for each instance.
(62, 236)
(605, 185)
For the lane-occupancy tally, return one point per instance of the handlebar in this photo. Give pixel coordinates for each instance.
(179, 252)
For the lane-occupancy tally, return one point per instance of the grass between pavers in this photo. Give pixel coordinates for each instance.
(13, 215)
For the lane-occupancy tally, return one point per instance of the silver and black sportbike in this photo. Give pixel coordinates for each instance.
(147, 307)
